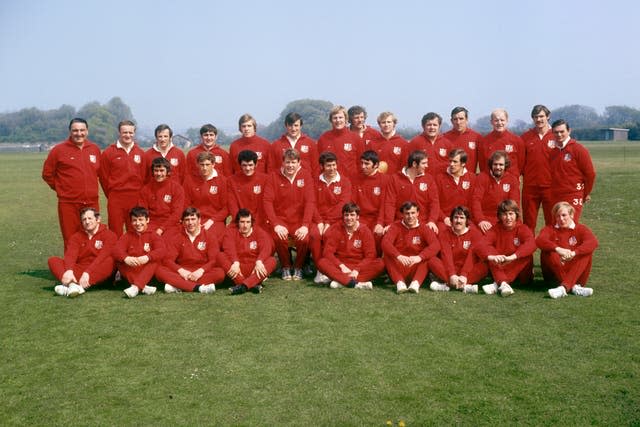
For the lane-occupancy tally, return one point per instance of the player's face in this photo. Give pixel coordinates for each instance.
(89, 222)
(140, 223)
(127, 132)
(78, 133)
(330, 170)
(459, 222)
(163, 139)
(248, 168)
(294, 130)
(350, 219)
(357, 120)
(206, 168)
(191, 223)
(432, 128)
(564, 219)
(561, 132)
(455, 165)
(422, 166)
(497, 167)
(209, 139)
(499, 121)
(159, 173)
(290, 167)
(508, 219)
(387, 126)
(338, 120)
(247, 129)
(244, 225)
(459, 121)
(410, 217)
(367, 167)
(541, 120)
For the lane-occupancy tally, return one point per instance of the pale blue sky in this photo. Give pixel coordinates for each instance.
(190, 62)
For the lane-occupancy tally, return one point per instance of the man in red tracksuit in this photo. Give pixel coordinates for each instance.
(391, 147)
(567, 253)
(122, 172)
(87, 260)
(536, 191)
(455, 186)
(501, 139)
(191, 264)
(210, 194)
(463, 137)
(349, 256)
(289, 205)
(508, 249)
(71, 170)
(346, 145)
(138, 252)
(164, 148)
(294, 138)
(413, 183)
(572, 171)
(222, 160)
(491, 188)
(435, 145)
(248, 254)
(250, 141)
(246, 188)
(164, 199)
(358, 125)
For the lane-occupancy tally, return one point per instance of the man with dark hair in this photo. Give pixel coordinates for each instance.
(250, 140)
(349, 256)
(209, 142)
(122, 173)
(455, 185)
(191, 264)
(138, 253)
(246, 188)
(163, 197)
(294, 138)
(501, 139)
(369, 190)
(346, 145)
(248, 254)
(572, 171)
(71, 170)
(164, 147)
(87, 259)
(433, 143)
(461, 136)
(358, 124)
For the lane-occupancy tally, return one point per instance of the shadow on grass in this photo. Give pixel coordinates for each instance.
(40, 274)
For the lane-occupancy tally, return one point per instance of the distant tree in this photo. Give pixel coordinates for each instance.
(483, 124)
(621, 116)
(119, 109)
(518, 126)
(315, 115)
(578, 116)
(408, 132)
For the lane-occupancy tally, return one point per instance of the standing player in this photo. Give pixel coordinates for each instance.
(463, 137)
(249, 140)
(500, 138)
(358, 125)
(164, 148)
(391, 148)
(294, 138)
(209, 143)
(346, 145)
(71, 170)
(435, 145)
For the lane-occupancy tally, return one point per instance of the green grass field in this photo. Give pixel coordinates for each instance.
(302, 355)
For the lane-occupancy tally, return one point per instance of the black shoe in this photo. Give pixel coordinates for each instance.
(238, 289)
(257, 289)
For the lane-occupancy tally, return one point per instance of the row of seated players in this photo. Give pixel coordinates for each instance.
(459, 257)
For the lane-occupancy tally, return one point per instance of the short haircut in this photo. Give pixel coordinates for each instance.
(291, 118)
(382, 116)
(499, 110)
(206, 155)
(508, 205)
(160, 162)
(161, 128)
(138, 211)
(337, 109)
(431, 116)
(537, 109)
(87, 209)
(208, 128)
(560, 205)
(458, 110)
(560, 122)
(248, 156)
(350, 207)
(78, 120)
(458, 152)
(190, 211)
(408, 205)
(416, 156)
(371, 156)
(291, 153)
(355, 110)
(458, 210)
(247, 118)
(326, 157)
(125, 123)
(497, 155)
(243, 213)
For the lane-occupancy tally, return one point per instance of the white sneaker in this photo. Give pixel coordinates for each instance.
(505, 289)
(558, 292)
(438, 287)
(414, 287)
(581, 291)
(149, 290)
(401, 287)
(321, 279)
(132, 291)
(208, 289)
(61, 290)
(74, 290)
(490, 289)
(470, 289)
(169, 289)
(364, 285)
(335, 285)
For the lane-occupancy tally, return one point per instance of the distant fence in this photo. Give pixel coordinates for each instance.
(32, 147)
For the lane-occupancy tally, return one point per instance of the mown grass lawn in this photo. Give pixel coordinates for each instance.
(302, 355)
